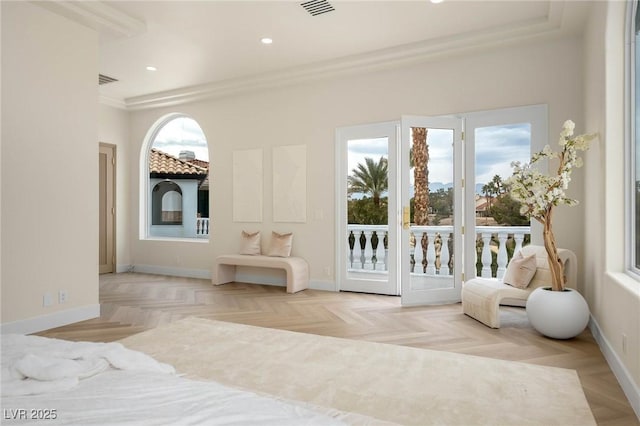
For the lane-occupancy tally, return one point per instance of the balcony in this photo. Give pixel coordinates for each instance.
(202, 227)
(431, 249)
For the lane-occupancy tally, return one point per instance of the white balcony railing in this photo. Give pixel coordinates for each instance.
(431, 248)
(202, 227)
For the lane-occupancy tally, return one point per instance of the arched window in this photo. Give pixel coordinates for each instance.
(174, 167)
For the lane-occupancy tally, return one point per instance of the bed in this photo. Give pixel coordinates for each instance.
(52, 381)
(238, 374)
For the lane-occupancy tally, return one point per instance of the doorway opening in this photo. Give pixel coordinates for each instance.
(420, 208)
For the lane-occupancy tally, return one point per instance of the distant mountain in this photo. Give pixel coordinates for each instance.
(436, 186)
(433, 187)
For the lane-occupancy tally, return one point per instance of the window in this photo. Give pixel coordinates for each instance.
(175, 180)
(633, 140)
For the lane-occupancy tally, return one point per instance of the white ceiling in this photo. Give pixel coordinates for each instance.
(204, 48)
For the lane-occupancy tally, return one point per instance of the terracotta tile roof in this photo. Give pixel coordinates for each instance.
(205, 184)
(200, 163)
(161, 163)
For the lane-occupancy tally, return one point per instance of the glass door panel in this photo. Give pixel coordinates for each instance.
(431, 190)
(367, 254)
(494, 229)
(500, 229)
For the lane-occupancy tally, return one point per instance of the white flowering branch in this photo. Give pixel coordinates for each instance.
(538, 194)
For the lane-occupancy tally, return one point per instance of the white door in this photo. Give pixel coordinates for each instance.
(430, 273)
(494, 140)
(367, 208)
(424, 260)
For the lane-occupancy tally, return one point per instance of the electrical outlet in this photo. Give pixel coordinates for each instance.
(47, 299)
(327, 271)
(624, 343)
(62, 296)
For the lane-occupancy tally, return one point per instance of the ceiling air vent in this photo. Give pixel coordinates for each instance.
(105, 79)
(317, 7)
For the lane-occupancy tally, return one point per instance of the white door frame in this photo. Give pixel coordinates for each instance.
(346, 282)
(536, 115)
(464, 172)
(432, 294)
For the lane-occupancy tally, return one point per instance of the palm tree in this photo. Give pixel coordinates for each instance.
(420, 151)
(489, 190)
(498, 185)
(369, 178)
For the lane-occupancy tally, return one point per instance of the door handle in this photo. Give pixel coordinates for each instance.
(406, 217)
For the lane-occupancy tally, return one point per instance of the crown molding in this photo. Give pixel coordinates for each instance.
(378, 60)
(408, 54)
(112, 102)
(96, 15)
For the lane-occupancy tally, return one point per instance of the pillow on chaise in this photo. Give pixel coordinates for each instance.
(520, 270)
(250, 243)
(280, 245)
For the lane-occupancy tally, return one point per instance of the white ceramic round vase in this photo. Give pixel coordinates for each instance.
(557, 314)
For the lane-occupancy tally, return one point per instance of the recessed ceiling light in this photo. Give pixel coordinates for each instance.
(266, 40)
(436, 1)
(150, 68)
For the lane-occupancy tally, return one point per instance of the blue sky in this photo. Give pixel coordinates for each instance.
(182, 134)
(496, 147)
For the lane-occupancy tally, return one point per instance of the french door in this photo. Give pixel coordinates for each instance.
(389, 243)
(431, 151)
(386, 243)
(368, 224)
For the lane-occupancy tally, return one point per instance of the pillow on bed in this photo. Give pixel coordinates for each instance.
(280, 245)
(250, 243)
(520, 271)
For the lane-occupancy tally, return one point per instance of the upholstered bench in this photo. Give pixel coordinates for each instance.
(482, 297)
(296, 268)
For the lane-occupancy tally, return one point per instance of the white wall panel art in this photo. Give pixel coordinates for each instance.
(290, 183)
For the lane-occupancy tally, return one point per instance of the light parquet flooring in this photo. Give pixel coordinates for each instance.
(131, 303)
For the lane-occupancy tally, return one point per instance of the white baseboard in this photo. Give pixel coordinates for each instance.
(123, 268)
(629, 387)
(53, 320)
(172, 271)
(323, 285)
(250, 275)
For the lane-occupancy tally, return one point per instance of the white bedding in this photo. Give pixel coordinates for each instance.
(78, 383)
(34, 365)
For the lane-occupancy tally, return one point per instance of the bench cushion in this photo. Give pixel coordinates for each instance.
(520, 271)
(260, 261)
(250, 243)
(280, 245)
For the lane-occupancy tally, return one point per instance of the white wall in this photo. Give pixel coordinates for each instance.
(114, 129)
(49, 168)
(614, 297)
(535, 73)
